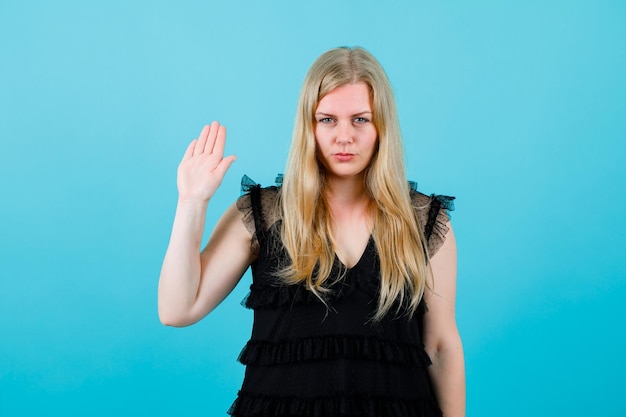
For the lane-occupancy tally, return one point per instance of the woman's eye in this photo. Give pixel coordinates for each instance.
(326, 120)
(361, 120)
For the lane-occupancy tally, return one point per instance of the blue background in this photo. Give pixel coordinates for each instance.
(517, 108)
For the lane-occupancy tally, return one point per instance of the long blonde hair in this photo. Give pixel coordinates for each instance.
(306, 227)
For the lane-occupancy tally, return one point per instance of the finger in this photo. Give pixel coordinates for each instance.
(189, 152)
(210, 143)
(220, 141)
(202, 140)
(224, 164)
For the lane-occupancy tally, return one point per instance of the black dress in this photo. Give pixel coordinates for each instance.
(307, 359)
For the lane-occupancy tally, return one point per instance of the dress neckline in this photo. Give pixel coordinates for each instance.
(361, 259)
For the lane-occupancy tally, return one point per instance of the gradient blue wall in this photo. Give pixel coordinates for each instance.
(517, 108)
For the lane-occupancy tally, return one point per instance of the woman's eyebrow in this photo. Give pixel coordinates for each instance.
(319, 113)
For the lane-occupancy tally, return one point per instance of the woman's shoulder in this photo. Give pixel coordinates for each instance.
(260, 206)
(253, 195)
(433, 213)
(424, 203)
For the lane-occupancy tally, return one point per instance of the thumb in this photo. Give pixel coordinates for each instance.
(224, 164)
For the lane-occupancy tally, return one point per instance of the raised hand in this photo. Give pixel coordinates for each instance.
(202, 169)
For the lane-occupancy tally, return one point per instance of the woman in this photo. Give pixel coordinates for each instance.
(354, 273)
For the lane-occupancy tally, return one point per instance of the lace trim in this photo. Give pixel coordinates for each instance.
(433, 213)
(260, 209)
(286, 296)
(334, 347)
(339, 405)
(264, 296)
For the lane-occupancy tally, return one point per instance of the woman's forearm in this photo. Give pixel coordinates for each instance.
(180, 273)
(447, 373)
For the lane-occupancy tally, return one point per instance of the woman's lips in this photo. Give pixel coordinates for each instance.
(343, 157)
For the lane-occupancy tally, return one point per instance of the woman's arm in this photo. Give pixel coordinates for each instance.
(193, 283)
(441, 336)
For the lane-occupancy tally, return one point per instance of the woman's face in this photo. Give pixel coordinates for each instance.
(344, 131)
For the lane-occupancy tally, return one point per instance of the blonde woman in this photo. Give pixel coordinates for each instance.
(354, 271)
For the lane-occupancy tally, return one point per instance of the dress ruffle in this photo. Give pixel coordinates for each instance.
(339, 405)
(275, 293)
(266, 296)
(433, 212)
(334, 347)
(248, 184)
(437, 225)
(259, 207)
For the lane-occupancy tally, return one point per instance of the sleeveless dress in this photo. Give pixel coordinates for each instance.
(307, 359)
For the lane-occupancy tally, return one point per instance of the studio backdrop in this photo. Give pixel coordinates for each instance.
(515, 108)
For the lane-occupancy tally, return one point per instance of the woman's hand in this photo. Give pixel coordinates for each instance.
(202, 169)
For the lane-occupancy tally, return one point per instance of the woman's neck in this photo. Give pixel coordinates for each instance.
(347, 196)
(345, 191)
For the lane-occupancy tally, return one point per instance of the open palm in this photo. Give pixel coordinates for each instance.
(202, 169)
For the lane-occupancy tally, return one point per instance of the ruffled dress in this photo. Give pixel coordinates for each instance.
(308, 359)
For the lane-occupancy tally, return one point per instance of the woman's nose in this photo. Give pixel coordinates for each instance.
(345, 133)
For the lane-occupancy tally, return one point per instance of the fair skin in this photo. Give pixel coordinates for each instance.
(346, 141)
(193, 281)
(441, 336)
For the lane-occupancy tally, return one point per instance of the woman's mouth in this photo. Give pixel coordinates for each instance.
(343, 157)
